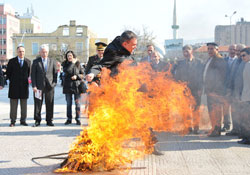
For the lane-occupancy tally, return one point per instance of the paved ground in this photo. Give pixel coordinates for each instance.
(192, 154)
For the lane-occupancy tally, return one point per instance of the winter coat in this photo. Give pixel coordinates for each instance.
(114, 54)
(18, 77)
(70, 69)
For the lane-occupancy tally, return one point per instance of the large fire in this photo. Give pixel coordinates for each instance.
(123, 108)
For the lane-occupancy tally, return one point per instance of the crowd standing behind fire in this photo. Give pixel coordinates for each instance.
(225, 82)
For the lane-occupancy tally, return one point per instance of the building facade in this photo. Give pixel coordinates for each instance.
(9, 24)
(233, 34)
(66, 37)
(29, 23)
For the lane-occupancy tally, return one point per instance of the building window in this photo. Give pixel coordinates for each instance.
(2, 20)
(79, 48)
(66, 31)
(79, 31)
(35, 48)
(2, 41)
(3, 51)
(53, 46)
(2, 31)
(64, 47)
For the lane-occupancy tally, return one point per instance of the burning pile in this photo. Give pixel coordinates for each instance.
(125, 107)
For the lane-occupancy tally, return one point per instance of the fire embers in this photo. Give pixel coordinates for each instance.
(121, 112)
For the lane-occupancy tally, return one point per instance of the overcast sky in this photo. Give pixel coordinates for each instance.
(107, 18)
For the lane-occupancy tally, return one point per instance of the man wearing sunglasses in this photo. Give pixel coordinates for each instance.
(245, 98)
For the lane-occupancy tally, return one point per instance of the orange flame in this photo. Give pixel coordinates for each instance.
(125, 107)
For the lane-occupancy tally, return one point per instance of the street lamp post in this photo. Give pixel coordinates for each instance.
(230, 18)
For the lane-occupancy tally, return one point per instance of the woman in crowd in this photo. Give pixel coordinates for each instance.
(73, 75)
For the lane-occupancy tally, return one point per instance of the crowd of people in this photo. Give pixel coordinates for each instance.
(225, 82)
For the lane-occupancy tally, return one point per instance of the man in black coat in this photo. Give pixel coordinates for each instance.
(44, 79)
(214, 86)
(190, 71)
(116, 52)
(18, 72)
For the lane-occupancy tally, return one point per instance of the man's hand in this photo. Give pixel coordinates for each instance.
(1, 87)
(34, 89)
(74, 77)
(90, 77)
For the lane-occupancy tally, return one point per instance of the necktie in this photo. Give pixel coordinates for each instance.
(45, 64)
(21, 63)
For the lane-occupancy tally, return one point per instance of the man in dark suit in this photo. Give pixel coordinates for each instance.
(150, 50)
(214, 87)
(18, 72)
(44, 79)
(226, 107)
(190, 71)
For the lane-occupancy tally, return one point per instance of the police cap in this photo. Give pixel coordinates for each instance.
(100, 45)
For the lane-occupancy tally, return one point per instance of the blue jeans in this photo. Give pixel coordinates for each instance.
(69, 105)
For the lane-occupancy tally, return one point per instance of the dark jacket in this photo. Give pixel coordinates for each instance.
(70, 69)
(18, 77)
(215, 76)
(93, 60)
(1, 77)
(160, 67)
(114, 54)
(190, 72)
(41, 79)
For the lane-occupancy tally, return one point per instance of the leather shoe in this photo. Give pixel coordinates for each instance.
(214, 134)
(244, 141)
(12, 125)
(24, 124)
(196, 131)
(78, 122)
(50, 124)
(157, 152)
(37, 123)
(225, 129)
(232, 133)
(67, 122)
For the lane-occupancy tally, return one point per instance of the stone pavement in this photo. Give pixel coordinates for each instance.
(191, 154)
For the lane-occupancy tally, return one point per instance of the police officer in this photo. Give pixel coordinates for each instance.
(93, 60)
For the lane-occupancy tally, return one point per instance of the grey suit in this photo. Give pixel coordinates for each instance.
(45, 81)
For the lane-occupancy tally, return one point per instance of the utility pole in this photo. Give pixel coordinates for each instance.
(230, 19)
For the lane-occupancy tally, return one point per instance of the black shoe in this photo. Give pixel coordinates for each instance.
(78, 122)
(225, 129)
(190, 130)
(12, 125)
(196, 131)
(37, 123)
(68, 122)
(157, 152)
(244, 141)
(232, 133)
(24, 124)
(50, 124)
(214, 133)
